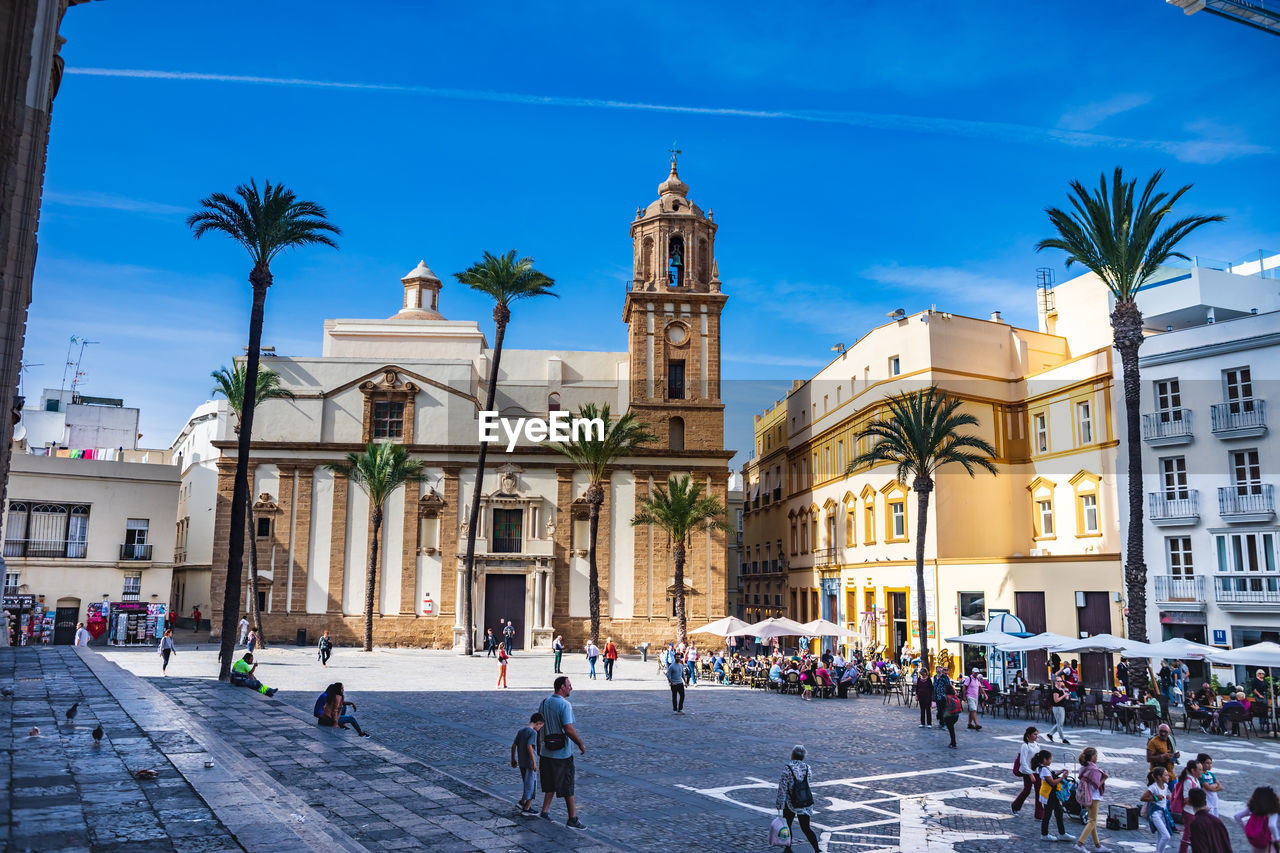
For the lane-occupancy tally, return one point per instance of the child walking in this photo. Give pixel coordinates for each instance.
(524, 756)
(503, 657)
(1050, 781)
(1260, 820)
(1156, 798)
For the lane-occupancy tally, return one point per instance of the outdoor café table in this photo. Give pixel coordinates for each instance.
(1128, 714)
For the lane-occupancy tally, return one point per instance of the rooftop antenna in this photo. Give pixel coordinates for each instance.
(25, 367)
(68, 363)
(79, 373)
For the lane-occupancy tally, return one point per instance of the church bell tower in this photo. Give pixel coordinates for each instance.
(672, 312)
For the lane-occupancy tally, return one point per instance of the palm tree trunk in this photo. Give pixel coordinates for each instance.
(371, 580)
(1126, 323)
(255, 615)
(469, 570)
(595, 497)
(677, 554)
(923, 487)
(260, 279)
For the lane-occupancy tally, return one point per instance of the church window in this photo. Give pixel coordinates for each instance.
(507, 525)
(388, 419)
(675, 432)
(675, 379)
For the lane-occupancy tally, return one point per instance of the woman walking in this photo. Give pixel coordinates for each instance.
(1026, 756)
(252, 643)
(795, 797)
(1060, 699)
(1093, 782)
(610, 658)
(557, 646)
(325, 649)
(503, 657)
(593, 653)
(166, 649)
(950, 711)
(1188, 780)
(1050, 782)
(924, 697)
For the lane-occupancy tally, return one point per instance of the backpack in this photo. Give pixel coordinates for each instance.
(953, 706)
(319, 708)
(801, 796)
(1176, 804)
(1256, 831)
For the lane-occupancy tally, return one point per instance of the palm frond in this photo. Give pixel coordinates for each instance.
(265, 222)
(380, 469)
(505, 279)
(231, 383)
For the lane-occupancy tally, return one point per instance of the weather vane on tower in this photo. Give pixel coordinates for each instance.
(675, 153)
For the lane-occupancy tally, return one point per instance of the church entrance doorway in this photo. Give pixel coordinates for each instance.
(504, 599)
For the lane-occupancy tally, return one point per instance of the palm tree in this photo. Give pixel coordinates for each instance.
(920, 435)
(266, 223)
(595, 456)
(680, 509)
(382, 468)
(506, 280)
(1124, 245)
(231, 384)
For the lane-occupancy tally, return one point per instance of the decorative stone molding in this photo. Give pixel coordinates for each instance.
(393, 388)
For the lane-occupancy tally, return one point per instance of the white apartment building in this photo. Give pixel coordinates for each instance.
(194, 453)
(1210, 461)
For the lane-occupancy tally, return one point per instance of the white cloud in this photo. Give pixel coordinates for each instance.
(1197, 150)
(1089, 116)
(106, 201)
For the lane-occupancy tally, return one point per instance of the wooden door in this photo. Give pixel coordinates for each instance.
(1095, 618)
(504, 599)
(1030, 607)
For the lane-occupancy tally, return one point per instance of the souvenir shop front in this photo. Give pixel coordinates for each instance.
(129, 623)
(30, 622)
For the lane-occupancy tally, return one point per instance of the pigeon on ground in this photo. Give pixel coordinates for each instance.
(97, 733)
(35, 731)
(71, 712)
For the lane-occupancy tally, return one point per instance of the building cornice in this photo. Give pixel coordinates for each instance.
(1206, 350)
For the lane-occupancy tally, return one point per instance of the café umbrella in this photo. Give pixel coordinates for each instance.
(827, 628)
(777, 626)
(1259, 654)
(729, 626)
(1047, 640)
(1105, 643)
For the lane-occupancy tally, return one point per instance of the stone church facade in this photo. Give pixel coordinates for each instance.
(419, 379)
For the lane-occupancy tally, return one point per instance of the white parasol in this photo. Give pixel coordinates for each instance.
(777, 626)
(1106, 643)
(1047, 640)
(729, 626)
(826, 628)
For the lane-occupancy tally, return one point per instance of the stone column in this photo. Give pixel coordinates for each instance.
(537, 599)
(300, 570)
(221, 544)
(279, 543)
(449, 544)
(559, 600)
(338, 544)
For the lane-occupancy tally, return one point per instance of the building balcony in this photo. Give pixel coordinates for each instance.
(1173, 593)
(826, 557)
(1167, 428)
(1248, 591)
(1258, 504)
(1166, 511)
(512, 547)
(135, 551)
(1241, 419)
(45, 548)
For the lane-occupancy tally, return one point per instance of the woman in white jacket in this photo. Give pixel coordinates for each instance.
(1026, 752)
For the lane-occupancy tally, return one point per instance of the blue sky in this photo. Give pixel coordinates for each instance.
(858, 160)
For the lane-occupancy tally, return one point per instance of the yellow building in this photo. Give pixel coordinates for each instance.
(762, 581)
(1040, 540)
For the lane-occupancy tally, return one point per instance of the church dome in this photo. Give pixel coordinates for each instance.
(420, 272)
(673, 198)
(421, 295)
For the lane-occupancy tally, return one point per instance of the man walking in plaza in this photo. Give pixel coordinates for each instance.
(244, 629)
(974, 684)
(508, 636)
(556, 772)
(195, 619)
(675, 677)
(610, 658)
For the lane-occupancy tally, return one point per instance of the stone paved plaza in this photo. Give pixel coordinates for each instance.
(435, 774)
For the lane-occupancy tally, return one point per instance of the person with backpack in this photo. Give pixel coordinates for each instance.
(973, 685)
(1093, 784)
(1156, 801)
(1260, 820)
(509, 636)
(1188, 780)
(1022, 769)
(331, 709)
(951, 712)
(795, 796)
(1050, 782)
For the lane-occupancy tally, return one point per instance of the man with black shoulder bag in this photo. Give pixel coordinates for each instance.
(556, 770)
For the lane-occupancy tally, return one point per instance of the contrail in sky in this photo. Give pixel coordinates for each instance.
(1192, 150)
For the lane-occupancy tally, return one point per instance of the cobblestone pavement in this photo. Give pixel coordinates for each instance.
(705, 780)
(62, 791)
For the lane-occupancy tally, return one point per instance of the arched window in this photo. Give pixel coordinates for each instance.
(677, 261)
(553, 402)
(675, 433)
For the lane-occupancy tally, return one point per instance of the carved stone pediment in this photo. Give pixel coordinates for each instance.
(264, 504)
(430, 505)
(509, 486)
(389, 381)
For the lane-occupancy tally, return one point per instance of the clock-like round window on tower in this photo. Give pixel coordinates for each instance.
(677, 334)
